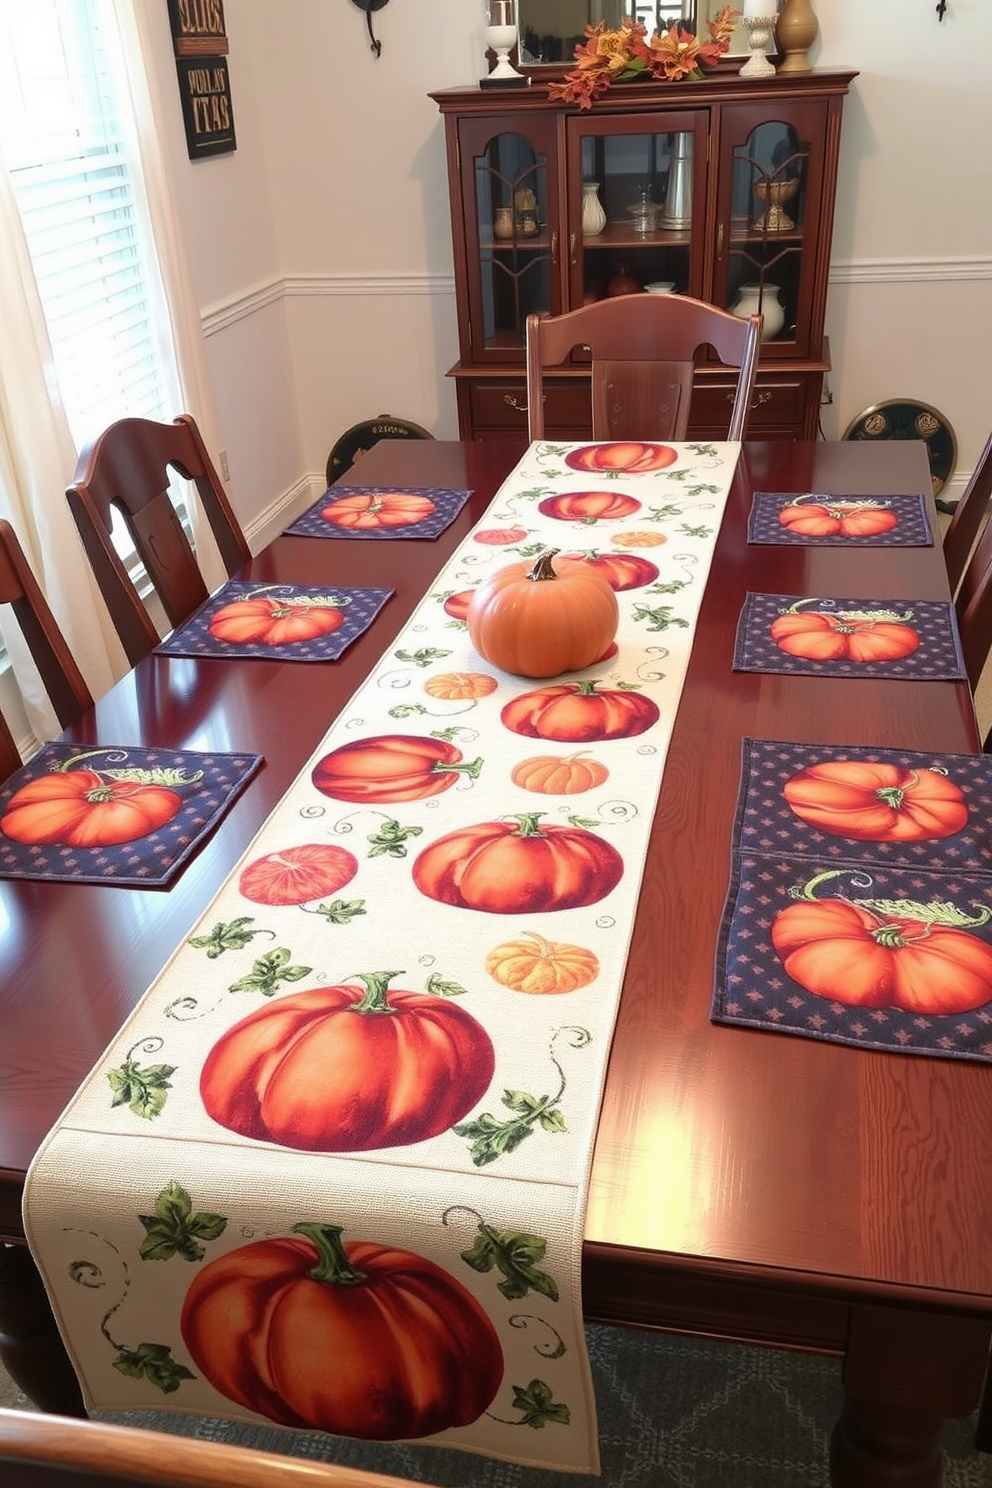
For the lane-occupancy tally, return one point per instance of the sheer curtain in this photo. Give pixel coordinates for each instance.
(37, 451)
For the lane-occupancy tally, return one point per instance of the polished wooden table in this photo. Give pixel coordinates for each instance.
(746, 1185)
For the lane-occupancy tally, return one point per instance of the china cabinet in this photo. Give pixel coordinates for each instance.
(723, 189)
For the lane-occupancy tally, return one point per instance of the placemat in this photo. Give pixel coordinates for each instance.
(374, 1069)
(276, 622)
(381, 512)
(115, 815)
(808, 519)
(859, 908)
(834, 637)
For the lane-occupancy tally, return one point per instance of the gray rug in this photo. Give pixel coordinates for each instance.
(674, 1413)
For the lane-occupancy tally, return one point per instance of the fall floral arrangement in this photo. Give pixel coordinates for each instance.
(627, 55)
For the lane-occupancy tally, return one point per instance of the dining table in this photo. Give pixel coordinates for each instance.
(745, 1185)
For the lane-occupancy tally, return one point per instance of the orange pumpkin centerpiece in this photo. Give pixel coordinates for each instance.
(540, 621)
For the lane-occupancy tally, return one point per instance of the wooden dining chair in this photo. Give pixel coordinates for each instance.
(966, 521)
(126, 469)
(42, 1451)
(59, 673)
(644, 349)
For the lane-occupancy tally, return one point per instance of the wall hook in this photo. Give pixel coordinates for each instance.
(369, 6)
(941, 7)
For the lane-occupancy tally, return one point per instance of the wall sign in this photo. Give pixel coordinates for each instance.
(200, 43)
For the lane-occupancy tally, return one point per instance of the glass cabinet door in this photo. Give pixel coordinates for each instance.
(510, 190)
(637, 199)
(769, 221)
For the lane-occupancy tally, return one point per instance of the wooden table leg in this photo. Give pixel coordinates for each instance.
(885, 1446)
(31, 1347)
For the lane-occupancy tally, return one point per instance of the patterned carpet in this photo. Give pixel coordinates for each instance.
(674, 1413)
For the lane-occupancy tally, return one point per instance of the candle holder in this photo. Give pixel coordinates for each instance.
(501, 35)
(760, 30)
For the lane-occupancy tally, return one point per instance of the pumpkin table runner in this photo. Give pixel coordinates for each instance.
(122, 816)
(276, 622)
(812, 519)
(860, 900)
(832, 637)
(381, 512)
(332, 1172)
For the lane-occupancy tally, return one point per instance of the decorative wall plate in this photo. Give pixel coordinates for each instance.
(904, 418)
(360, 438)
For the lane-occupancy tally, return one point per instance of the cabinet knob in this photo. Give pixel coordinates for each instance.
(571, 249)
(554, 247)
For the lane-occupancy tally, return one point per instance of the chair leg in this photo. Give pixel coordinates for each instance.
(983, 1431)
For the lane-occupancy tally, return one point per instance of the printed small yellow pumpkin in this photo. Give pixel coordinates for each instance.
(557, 775)
(457, 686)
(533, 964)
(638, 539)
(541, 621)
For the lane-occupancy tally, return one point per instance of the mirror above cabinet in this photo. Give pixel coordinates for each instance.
(549, 30)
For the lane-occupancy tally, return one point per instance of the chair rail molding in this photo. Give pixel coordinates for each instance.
(909, 270)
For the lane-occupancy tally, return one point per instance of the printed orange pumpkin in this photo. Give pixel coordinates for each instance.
(83, 808)
(588, 506)
(348, 1068)
(580, 713)
(820, 636)
(370, 509)
(355, 1338)
(270, 621)
(877, 802)
(295, 875)
(629, 457)
(456, 605)
(542, 620)
(557, 775)
(851, 954)
(543, 967)
(518, 866)
(621, 571)
(838, 519)
(638, 539)
(391, 767)
(499, 537)
(458, 686)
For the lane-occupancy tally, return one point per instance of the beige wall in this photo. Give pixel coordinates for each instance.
(321, 248)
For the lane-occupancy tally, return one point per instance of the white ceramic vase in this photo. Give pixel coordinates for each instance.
(593, 215)
(753, 299)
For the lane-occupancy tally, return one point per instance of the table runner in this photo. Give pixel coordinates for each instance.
(859, 908)
(332, 1172)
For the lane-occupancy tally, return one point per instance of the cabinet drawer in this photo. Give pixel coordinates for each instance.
(503, 405)
(774, 401)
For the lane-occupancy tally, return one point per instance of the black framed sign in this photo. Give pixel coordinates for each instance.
(200, 45)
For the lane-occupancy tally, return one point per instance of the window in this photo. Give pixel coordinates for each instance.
(67, 155)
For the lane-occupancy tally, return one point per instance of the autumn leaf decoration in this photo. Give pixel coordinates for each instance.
(627, 54)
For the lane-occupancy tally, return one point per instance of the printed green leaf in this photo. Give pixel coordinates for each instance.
(143, 1091)
(688, 531)
(232, 936)
(268, 971)
(537, 1406)
(390, 838)
(407, 710)
(341, 911)
(438, 987)
(660, 616)
(515, 1254)
(175, 1229)
(423, 657)
(171, 778)
(153, 1362)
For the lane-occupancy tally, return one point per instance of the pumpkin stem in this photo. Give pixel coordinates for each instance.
(470, 768)
(376, 991)
(529, 823)
(543, 568)
(333, 1266)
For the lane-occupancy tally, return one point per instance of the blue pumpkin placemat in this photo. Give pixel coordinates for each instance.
(115, 815)
(812, 519)
(891, 959)
(380, 512)
(834, 637)
(276, 622)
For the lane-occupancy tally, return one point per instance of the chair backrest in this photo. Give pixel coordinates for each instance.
(967, 519)
(58, 671)
(127, 468)
(644, 349)
(39, 1451)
